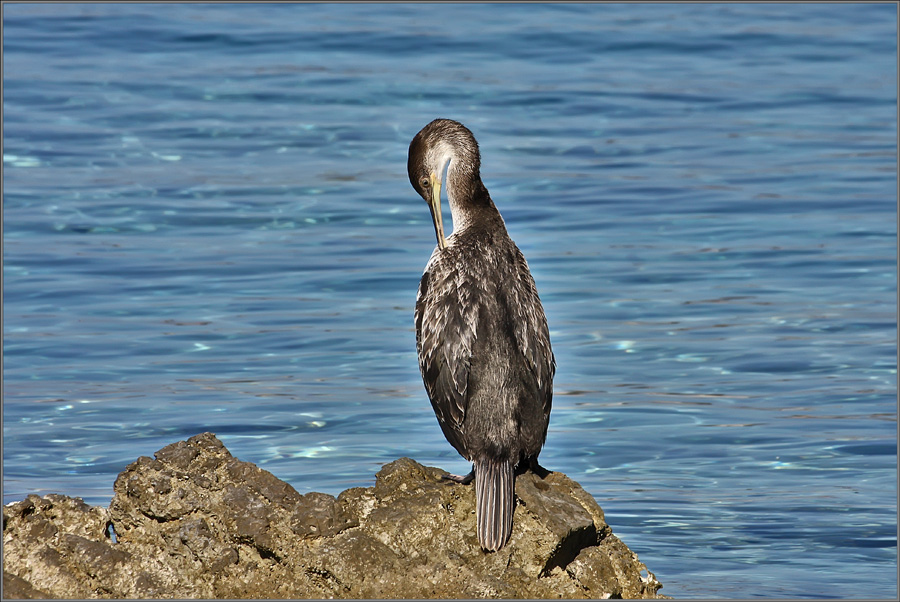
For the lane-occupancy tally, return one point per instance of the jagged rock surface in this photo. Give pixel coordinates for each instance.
(195, 522)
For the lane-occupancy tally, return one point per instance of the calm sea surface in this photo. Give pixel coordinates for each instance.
(208, 227)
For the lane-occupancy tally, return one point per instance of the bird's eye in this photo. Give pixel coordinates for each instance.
(425, 182)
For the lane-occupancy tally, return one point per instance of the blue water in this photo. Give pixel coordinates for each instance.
(208, 227)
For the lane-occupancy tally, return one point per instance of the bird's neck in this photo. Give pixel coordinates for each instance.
(470, 203)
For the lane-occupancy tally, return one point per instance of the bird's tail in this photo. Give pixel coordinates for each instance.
(495, 483)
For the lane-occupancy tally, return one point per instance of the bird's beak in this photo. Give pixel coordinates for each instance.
(435, 205)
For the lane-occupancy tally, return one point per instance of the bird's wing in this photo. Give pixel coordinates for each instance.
(444, 339)
(531, 332)
(446, 317)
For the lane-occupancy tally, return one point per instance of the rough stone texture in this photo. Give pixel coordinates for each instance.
(195, 522)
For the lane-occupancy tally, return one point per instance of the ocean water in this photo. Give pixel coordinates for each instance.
(208, 227)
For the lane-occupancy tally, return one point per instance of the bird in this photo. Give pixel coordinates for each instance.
(481, 332)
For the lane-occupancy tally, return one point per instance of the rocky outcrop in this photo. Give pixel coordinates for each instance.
(195, 522)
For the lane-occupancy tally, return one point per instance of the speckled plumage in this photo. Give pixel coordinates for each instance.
(481, 334)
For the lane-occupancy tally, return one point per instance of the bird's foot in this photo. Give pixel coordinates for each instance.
(464, 480)
(532, 465)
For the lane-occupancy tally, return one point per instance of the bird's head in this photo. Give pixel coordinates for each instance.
(440, 144)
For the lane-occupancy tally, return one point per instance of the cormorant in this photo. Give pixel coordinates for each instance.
(481, 334)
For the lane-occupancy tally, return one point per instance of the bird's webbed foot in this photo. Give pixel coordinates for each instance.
(463, 480)
(532, 465)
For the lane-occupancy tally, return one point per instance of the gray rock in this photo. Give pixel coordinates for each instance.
(195, 522)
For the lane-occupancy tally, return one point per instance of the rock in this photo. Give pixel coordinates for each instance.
(16, 588)
(195, 522)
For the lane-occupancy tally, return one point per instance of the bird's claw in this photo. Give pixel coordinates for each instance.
(464, 480)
